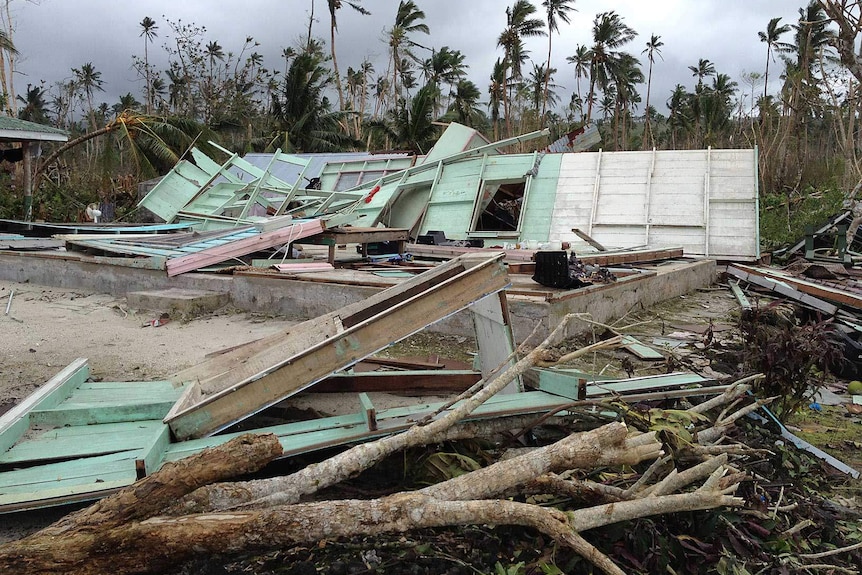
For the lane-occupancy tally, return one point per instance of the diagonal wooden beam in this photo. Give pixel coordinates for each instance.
(279, 371)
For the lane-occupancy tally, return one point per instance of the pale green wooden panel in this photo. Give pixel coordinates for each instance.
(74, 472)
(174, 191)
(508, 167)
(539, 207)
(68, 442)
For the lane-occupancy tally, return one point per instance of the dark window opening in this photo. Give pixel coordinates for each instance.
(501, 207)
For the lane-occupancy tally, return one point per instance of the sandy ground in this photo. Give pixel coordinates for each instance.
(47, 328)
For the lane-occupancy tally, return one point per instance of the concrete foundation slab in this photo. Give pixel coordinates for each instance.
(296, 299)
(178, 302)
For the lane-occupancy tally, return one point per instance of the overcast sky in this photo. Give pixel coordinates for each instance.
(54, 36)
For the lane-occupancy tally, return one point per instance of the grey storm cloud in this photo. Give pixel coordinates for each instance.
(54, 36)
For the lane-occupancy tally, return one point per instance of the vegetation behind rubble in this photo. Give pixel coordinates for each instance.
(805, 132)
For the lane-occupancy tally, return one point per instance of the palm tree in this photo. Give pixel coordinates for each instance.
(519, 25)
(610, 34)
(407, 21)
(772, 37)
(717, 107)
(652, 48)
(445, 66)
(35, 107)
(625, 75)
(680, 117)
(303, 118)
(335, 6)
(555, 10)
(127, 102)
(497, 93)
(89, 80)
(703, 69)
(214, 52)
(465, 104)
(410, 126)
(581, 59)
(541, 88)
(148, 31)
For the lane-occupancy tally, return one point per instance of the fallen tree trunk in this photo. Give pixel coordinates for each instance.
(131, 533)
(136, 542)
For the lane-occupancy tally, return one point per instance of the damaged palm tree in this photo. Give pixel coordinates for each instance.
(142, 529)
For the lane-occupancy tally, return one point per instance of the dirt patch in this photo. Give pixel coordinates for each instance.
(47, 328)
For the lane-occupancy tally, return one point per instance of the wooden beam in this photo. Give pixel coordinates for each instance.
(589, 240)
(814, 289)
(368, 411)
(214, 255)
(324, 326)
(782, 288)
(403, 382)
(297, 362)
(494, 338)
(740, 295)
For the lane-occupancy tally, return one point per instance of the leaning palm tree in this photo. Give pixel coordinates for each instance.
(148, 31)
(334, 6)
(610, 34)
(555, 10)
(519, 25)
(652, 48)
(772, 38)
(154, 143)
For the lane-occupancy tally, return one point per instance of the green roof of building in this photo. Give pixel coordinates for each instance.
(18, 130)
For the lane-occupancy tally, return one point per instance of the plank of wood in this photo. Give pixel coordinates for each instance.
(810, 288)
(494, 338)
(74, 469)
(264, 240)
(368, 411)
(303, 267)
(566, 384)
(589, 240)
(783, 289)
(81, 441)
(15, 422)
(273, 375)
(740, 295)
(322, 327)
(402, 382)
(403, 363)
(306, 436)
(153, 453)
(65, 496)
(645, 352)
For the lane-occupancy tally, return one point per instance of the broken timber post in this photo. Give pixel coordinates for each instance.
(242, 382)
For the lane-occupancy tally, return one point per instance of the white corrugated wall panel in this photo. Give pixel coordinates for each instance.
(658, 199)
